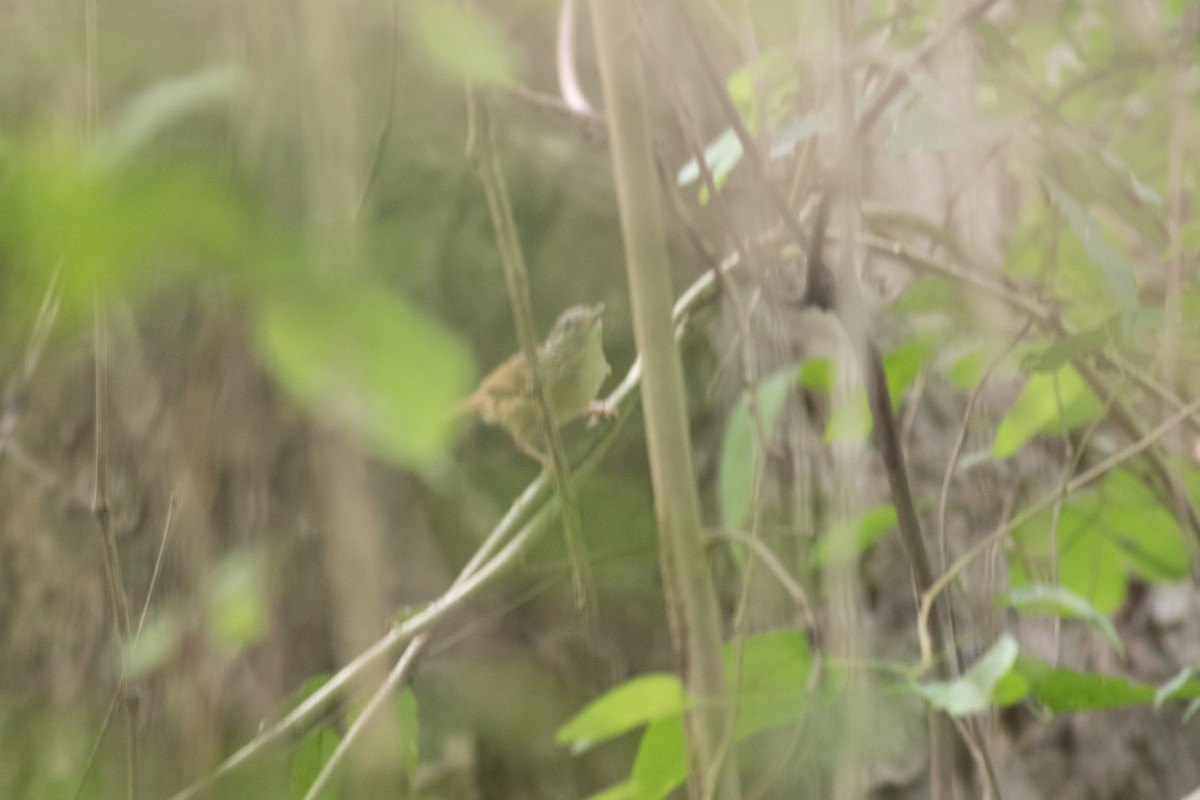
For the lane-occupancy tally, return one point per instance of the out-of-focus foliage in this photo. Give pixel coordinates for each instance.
(264, 213)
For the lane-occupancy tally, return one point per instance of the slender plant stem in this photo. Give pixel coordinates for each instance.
(516, 278)
(690, 598)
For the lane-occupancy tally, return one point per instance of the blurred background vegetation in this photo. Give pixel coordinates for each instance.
(247, 272)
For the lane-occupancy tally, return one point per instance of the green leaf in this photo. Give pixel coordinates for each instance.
(817, 373)
(1037, 408)
(1057, 601)
(153, 646)
(774, 679)
(967, 369)
(237, 609)
(972, 693)
(1068, 348)
(1065, 691)
(463, 44)
(627, 790)
(850, 420)
(773, 75)
(1141, 527)
(928, 294)
(1118, 275)
(368, 360)
(409, 727)
(661, 761)
(313, 752)
(1169, 689)
(641, 700)
(739, 448)
(851, 538)
(720, 156)
(772, 683)
(307, 690)
(1090, 564)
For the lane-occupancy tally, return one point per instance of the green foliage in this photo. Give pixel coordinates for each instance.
(372, 362)
(634, 703)
(973, 692)
(1101, 536)
(1050, 402)
(1059, 602)
(310, 756)
(409, 729)
(852, 538)
(771, 673)
(237, 603)
(741, 449)
(850, 421)
(153, 646)
(721, 155)
(1118, 276)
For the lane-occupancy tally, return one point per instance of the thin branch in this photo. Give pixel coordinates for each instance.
(527, 518)
(1046, 500)
(516, 279)
(394, 679)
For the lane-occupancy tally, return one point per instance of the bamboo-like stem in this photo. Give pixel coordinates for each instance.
(483, 148)
(691, 602)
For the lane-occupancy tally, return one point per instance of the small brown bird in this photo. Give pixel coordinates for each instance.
(573, 366)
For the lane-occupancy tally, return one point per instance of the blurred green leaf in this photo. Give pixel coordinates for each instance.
(1169, 689)
(774, 76)
(1065, 691)
(1118, 274)
(1145, 531)
(1037, 409)
(636, 702)
(855, 536)
(928, 294)
(151, 649)
(1057, 601)
(773, 680)
(972, 693)
(720, 156)
(850, 420)
(370, 361)
(408, 724)
(307, 689)
(817, 373)
(1089, 563)
(237, 610)
(773, 685)
(661, 761)
(1062, 351)
(739, 448)
(313, 752)
(463, 44)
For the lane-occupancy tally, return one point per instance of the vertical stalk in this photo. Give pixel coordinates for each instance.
(691, 602)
